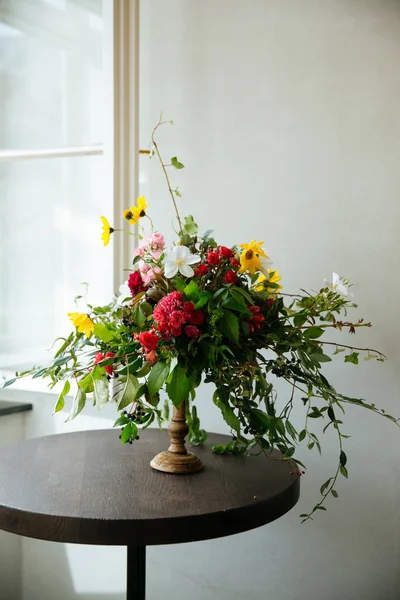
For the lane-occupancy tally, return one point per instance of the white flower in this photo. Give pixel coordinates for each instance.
(125, 293)
(265, 265)
(179, 259)
(339, 286)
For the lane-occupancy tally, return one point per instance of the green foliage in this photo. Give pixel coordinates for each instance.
(175, 163)
(157, 377)
(225, 328)
(179, 386)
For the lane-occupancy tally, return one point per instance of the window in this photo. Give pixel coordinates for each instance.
(53, 174)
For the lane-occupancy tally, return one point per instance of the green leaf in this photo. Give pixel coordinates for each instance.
(9, 382)
(128, 432)
(103, 333)
(320, 357)
(144, 370)
(229, 325)
(313, 332)
(343, 458)
(138, 316)
(299, 320)
(61, 398)
(189, 225)
(175, 163)
(334, 494)
(126, 391)
(122, 420)
(179, 386)
(259, 420)
(78, 404)
(227, 411)
(302, 435)
(203, 299)
(191, 291)
(339, 350)
(325, 485)
(101, 392)
(157, 377)
(319, 508)
(331, 413)
(177, 192)
(233, 304)
(343, 471)
(352, 358)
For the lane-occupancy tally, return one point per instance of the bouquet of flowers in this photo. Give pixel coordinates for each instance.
(202, 311)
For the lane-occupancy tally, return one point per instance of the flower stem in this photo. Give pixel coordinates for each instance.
(166, 175)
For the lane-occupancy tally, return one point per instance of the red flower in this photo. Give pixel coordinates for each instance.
(151, 357)
(189, 306)
(197, 317)
(213, 258)
(225, 252)
(175, 331)
(192, 331)
(177, 319)
(201, 270)
(135, 283)
(231, 277)
(99, 356)
(234, 262)
(149, 340)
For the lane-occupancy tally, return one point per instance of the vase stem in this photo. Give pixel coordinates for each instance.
(178, 430)
(177, 459)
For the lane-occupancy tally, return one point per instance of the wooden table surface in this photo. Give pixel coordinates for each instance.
(87, 488)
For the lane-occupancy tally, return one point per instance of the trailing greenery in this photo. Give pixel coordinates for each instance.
(198, 312)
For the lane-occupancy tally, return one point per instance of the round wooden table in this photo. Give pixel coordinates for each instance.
(85, 488)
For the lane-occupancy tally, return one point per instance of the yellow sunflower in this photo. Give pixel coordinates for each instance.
(134, 213)
(106, 232)
(250, 257)
(82, 322)
(274, 277)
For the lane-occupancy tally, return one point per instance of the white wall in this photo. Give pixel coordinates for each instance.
(287, 120)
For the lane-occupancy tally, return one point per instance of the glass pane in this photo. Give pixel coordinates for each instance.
(51, 81)
(49, 244)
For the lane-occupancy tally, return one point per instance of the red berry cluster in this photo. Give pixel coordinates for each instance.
(299, 473)
(99, 356)
(256, 318)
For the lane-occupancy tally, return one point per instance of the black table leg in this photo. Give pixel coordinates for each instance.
(136, 573)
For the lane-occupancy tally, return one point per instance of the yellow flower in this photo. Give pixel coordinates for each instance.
(82, 322)
(107, 231)
(250, 257)
(134, 213)
(274, 277)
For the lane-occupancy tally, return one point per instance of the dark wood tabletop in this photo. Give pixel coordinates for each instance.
(87, 488)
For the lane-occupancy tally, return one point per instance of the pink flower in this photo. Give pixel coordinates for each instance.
(144, 267)
(150, 275)
(157, 241)
(142, 249)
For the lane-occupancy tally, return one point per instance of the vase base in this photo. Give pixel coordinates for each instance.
(181, 464)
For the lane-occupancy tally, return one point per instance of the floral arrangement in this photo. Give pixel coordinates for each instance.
(201, 311)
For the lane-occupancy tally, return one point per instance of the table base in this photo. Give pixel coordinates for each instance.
(136, 573)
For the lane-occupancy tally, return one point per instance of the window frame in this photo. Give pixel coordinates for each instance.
(120, 145)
